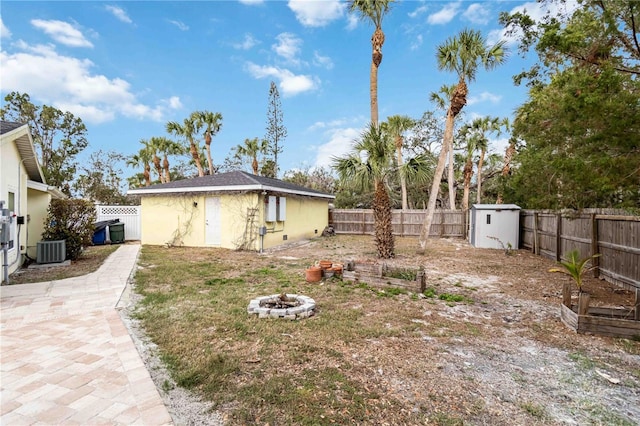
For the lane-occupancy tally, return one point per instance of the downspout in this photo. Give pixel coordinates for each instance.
(5, 221)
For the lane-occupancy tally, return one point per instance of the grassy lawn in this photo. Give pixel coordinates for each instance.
(89, 261)
(269, 371)
(366, 357)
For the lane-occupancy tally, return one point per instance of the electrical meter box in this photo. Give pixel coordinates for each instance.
(281, 211)
(270, 209)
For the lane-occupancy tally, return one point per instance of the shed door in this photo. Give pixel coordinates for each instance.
(213, 233)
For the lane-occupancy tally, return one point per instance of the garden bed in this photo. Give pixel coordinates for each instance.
(382, 275)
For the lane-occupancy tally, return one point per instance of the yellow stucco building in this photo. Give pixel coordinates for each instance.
(235, 210)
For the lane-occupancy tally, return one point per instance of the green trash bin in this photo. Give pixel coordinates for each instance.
(116, 233)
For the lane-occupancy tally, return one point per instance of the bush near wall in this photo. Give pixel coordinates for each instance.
(70, 220)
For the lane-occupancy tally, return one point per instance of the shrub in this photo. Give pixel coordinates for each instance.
(70, 220)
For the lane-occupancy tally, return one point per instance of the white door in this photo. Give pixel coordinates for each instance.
(213, 234)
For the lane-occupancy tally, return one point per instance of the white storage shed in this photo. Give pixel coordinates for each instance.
(495, 226)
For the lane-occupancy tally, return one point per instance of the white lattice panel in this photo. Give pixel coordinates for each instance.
(129, 215)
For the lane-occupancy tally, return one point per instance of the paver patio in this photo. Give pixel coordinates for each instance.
(67, 358)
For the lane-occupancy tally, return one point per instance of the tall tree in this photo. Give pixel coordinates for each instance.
(397, 125)
(276, 131)
(153, 146)
(58, 137)
(251, 149)
(100, 179)
(373, 11)
(142, 159)
(462, 54)
(440, 99)
(188, 131)
(360, 173)
(211, 122)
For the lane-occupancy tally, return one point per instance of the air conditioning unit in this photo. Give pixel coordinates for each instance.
(51, 251)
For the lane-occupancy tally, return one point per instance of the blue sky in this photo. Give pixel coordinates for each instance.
(128, 67)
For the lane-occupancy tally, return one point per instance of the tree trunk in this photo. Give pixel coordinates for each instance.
(193, 149)
(382, 222)
(508, 155)
(147, 174)
(207, 141)
(158, 167)
(403, 181)
(254, 166)
(480, 164)
(373, 91)
(165, 166)
(435, 186)
(451, 178)
(468, 173)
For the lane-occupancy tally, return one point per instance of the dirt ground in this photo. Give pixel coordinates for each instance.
(505, 358)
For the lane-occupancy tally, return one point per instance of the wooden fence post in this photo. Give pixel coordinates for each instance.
(558, 237)
(536, 248)
(364, 223)
(594, 246)
(637, 305)
(401, 223)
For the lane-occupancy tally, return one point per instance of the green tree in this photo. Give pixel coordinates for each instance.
(142, 159)
(462, 54)
(376, 168)
(188, 131)
(318, 178)
(373, 11)
(72, 221)
(440, 99)
(397, 125)
(276, 130)
(58, 137)
(167, 147)
(211, 122)
(251, 149)
(100, 179)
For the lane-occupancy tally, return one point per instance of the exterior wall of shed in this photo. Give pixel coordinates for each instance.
(174, 220)
(304, 217)
(505, 226)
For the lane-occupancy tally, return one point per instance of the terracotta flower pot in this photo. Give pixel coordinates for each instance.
(325, 264)
(313, 274)
(337, 270)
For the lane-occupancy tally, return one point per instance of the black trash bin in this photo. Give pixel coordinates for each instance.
(116, 233)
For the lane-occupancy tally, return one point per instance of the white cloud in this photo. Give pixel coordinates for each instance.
(477, 13)
(251, 2)
(352, 22)
(290, 83)
(70, 84)
(119, 13)
(417, 42)
(419, 11)
(288, 46)
(536, 11)
(313, 13)
(62, 32)
(248, 42)
(181, 25)
(4, 31)
(322, 61)
(340, 143)
(444, 15)
(484, 97)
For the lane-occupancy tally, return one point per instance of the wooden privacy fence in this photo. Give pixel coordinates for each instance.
(406, 223)
(615, 237)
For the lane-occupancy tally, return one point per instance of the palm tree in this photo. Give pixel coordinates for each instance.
(373, 11)
(167, 147)
(187, 131)
(396, 125)
(473, 140)
(462, 54)
(142, 158)
(153, 146)
(484, 125)
(377, 166)
(212, 121)
(440, 102)
(251, 149)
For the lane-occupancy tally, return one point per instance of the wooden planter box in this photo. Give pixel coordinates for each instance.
(376, 276)
(613, 322)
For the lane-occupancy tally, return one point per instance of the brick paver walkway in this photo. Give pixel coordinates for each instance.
(67, 358)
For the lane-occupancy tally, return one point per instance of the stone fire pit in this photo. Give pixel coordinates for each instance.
(288, 306)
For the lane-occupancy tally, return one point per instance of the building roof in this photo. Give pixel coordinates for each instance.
(229, 182)
(495, 207)
(20, 134)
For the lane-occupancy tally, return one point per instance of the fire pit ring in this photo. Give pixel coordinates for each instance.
(288, 306)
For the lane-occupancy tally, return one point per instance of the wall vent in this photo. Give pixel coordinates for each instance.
(51, 251)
